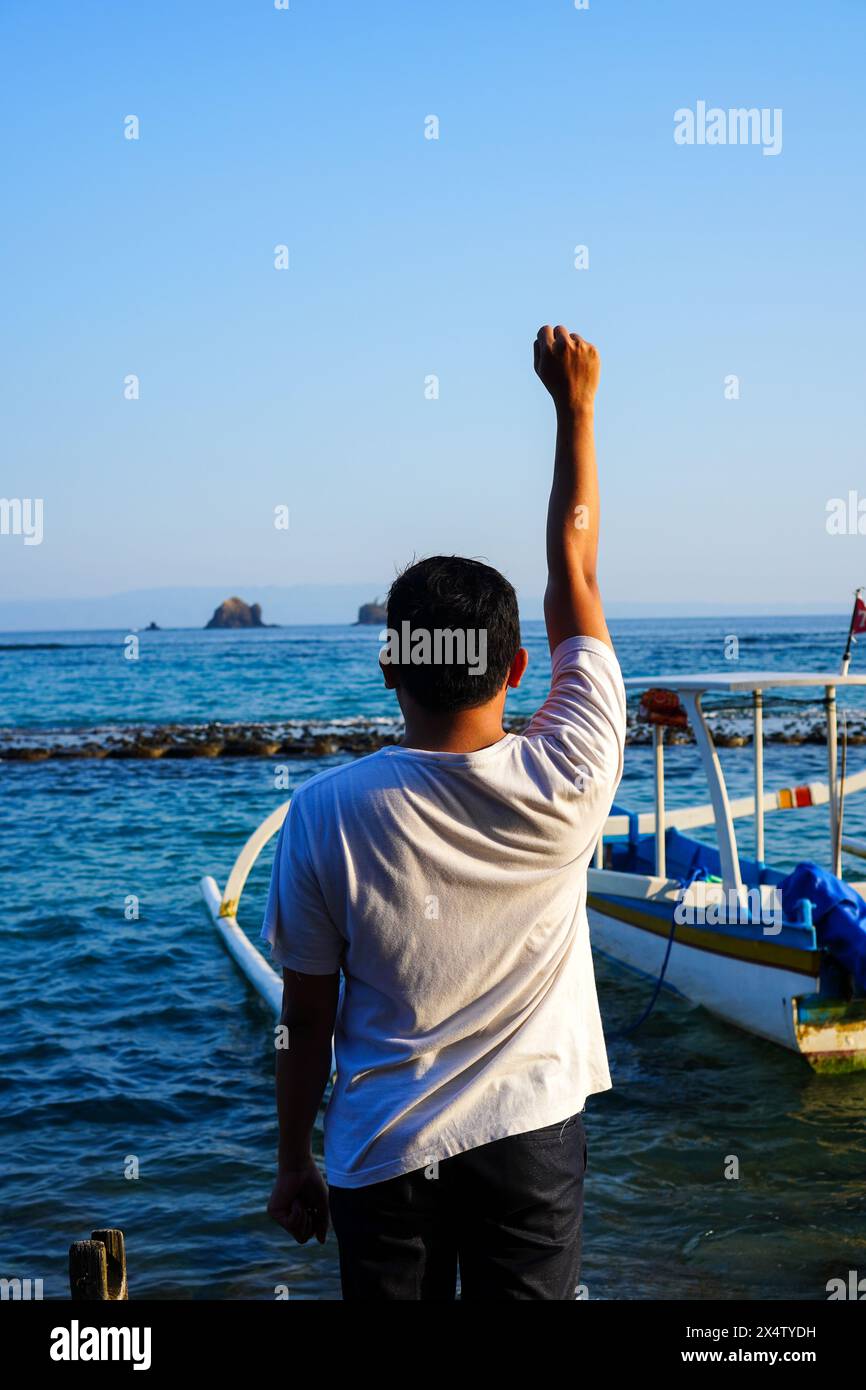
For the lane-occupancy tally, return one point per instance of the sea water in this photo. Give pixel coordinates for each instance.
(136, 1067)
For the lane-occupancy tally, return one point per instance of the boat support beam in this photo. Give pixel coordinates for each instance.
(730, 861)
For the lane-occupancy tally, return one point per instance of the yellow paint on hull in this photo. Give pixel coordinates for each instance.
(714, 942)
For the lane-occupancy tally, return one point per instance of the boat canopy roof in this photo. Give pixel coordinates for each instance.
(742, 680)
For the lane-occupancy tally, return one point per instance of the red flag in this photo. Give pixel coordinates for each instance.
(858, 623)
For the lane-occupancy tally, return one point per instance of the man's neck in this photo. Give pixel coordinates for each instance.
(468, 731)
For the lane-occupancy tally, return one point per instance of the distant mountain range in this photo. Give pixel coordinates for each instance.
(304, 603)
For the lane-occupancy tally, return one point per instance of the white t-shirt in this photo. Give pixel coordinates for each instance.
(450, 888)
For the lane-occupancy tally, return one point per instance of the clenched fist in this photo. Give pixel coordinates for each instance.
(299, 1203)
(568, 366)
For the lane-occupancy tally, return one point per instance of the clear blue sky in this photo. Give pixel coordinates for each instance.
(410, 257)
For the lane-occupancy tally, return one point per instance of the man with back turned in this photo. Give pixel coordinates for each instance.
(446, 878)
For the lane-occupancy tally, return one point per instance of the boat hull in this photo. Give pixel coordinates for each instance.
(831, 1034)
(752, 994)
(767, 990)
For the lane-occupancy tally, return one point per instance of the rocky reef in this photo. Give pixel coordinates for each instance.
(302, 738)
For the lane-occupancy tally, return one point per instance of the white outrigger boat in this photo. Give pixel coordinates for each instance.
(702, 921)
(707, 921)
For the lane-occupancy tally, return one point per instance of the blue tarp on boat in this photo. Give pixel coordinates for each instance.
(839, 915)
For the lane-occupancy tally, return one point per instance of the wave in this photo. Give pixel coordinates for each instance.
(62, 646)
(47, 646)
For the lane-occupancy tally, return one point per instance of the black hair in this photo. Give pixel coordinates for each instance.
(463, 599)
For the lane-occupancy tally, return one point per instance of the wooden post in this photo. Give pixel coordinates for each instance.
(115, 1256)
(97, 1268)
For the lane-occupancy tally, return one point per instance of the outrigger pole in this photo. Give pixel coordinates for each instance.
(263, 978)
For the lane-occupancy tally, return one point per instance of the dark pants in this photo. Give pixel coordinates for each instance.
(508, 1214)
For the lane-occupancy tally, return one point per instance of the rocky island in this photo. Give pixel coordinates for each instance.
(234, 613)
(372, 615)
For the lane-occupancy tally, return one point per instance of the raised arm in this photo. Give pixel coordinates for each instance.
(569, 367)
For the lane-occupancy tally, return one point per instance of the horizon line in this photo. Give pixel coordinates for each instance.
(276, 627)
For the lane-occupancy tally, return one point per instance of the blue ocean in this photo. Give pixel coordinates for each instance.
(136, 1065)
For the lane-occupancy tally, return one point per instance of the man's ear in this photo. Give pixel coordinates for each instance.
(389, 674)
(518, 668)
